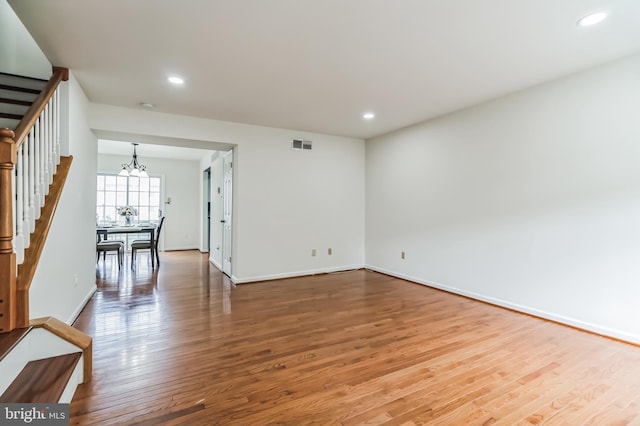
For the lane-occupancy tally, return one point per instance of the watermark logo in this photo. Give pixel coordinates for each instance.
(34, 414)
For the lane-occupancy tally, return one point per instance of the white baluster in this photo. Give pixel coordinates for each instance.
(44, 178)
(25, 195)
(52, 142)
(19, 219)
(38, 169)
(57, 110)
(32, 181)
(43, 158)
(47, 148)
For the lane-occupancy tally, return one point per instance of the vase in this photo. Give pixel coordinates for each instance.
(128, 220)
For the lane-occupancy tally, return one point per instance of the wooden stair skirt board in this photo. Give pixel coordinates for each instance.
(9, 340)
(42, 381)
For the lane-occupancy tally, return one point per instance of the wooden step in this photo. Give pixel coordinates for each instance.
(42, 381)
(21, 83)
(18, 95)
(12, 115)
(9, 340)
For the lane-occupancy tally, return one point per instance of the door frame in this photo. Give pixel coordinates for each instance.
(206, 211)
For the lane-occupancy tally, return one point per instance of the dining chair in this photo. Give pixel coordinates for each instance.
(148, 245)
(103, 246)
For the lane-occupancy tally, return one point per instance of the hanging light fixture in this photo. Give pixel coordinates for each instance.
(133, 168)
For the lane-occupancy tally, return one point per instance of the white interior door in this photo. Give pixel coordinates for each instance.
(227, 191)
(206, 211)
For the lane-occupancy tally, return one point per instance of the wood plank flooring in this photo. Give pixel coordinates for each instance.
(42, 380)
(183, 346)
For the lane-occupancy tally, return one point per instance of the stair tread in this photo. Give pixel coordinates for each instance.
(42, 381)
(13, 108)
(19, 82)
(14, 101)
(9, 340)
(18, 96)
(11, 116)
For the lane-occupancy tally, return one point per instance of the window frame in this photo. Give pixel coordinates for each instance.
(122, 191)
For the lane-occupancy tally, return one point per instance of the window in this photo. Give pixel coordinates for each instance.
(115, 191)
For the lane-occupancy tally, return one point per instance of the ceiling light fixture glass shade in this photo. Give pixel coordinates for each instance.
(133, 168)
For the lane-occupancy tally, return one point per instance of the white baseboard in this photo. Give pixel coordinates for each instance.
(573, 322)
(82, 304)
(243, 280)
(180, 248)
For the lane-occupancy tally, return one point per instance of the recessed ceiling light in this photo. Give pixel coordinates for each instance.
(368, 115)
(147, 105)
(592, 19)
(174, 79)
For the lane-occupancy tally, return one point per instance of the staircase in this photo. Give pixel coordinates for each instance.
(17, 94)
(41, 360)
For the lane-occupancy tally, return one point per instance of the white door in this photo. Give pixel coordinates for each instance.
(227, 191)
(206, 210)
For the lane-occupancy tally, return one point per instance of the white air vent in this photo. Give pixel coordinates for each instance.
(300, 144)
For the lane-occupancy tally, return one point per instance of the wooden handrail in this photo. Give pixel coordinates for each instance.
(32, 114)
(27, 270)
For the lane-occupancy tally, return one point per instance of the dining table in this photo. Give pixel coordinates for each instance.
(103, 232)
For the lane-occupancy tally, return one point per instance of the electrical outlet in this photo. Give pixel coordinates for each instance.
(313, 252)
(402, 255)
(330, 251)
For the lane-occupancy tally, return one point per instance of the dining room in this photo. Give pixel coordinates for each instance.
(148, 200)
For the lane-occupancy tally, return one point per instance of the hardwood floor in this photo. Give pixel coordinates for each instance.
(184, 346)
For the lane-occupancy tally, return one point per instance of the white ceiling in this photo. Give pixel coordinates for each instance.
(317, 65)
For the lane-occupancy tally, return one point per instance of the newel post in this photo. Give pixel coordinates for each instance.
(8, 266)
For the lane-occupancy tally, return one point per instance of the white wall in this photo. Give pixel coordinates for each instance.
(181, 228)
(531, 201)
(285, 202)
(19, 52)
(65, 276)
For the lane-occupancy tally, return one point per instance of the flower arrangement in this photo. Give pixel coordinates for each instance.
(127, 211)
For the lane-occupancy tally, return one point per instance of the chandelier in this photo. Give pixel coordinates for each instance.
(133, 168)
